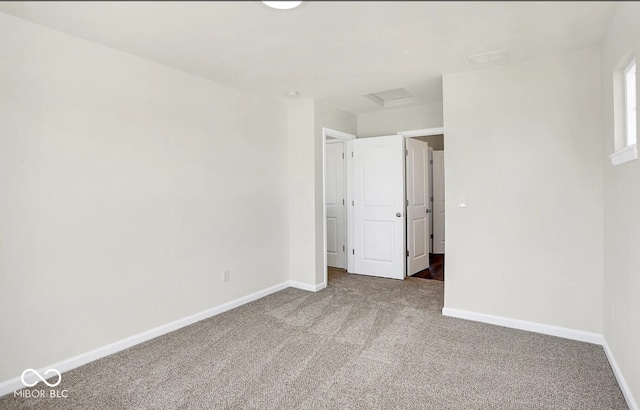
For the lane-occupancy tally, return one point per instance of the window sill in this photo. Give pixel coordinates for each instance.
(626, 154)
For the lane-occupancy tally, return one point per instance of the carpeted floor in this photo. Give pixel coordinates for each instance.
(362, 343)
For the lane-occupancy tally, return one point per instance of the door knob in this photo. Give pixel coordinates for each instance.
(428, 211)
(398, 214)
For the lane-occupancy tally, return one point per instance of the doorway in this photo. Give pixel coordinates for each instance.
(351, 166)
(435, 139)
(334, 197)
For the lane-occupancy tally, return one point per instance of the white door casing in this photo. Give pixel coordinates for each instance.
(438, 202)
(335, 203)
(417, 168)
(378, 206)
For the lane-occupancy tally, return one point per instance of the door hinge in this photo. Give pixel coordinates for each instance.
(407, 201)
(431, 198)
(406, 152)
(343, 155)
(407, 254)
(342, 248)
(351, 154)
(353, 251)
(431, 236)
(343, 202)
(430, 162)
(352, 204)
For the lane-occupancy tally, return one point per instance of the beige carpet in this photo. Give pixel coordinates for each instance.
(362, 343)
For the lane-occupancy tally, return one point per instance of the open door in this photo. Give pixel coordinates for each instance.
(438, 201)
(378, 207)
(418, 232)
(335, 204)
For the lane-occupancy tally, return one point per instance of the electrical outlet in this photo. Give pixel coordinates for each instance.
(225, 275)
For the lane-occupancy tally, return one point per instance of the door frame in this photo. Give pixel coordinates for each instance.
(424, 132)
(328, 132)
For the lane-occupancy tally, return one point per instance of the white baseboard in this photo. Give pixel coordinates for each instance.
(626, 392)
(305, 286)
(553, 331)
(563, 332)
(11, 385)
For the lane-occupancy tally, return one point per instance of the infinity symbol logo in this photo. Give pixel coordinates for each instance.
(42, 379)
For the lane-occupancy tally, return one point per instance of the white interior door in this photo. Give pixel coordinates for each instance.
(378, 207)
(335, 204)
(438, 201)
(430, 201)
(417, 205)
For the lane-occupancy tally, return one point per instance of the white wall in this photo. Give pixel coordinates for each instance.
(306, 118)
(301, 179)
(126, 187)
(524, 144)
(391, 121)
(621, 211)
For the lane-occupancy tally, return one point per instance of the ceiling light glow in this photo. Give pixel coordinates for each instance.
(283, 5)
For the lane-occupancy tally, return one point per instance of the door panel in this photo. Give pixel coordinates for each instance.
(419, 247)
(438, 201)
(378, 187)
(334, 196)
(332, 236)
(378, 217)
(417, 205)
(378, 241)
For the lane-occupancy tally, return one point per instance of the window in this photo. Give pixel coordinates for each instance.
(630, 104)
(625, 113)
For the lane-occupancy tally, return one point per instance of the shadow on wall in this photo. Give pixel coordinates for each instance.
(435, 141)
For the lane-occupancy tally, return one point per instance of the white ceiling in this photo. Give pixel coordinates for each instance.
(335, 51)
